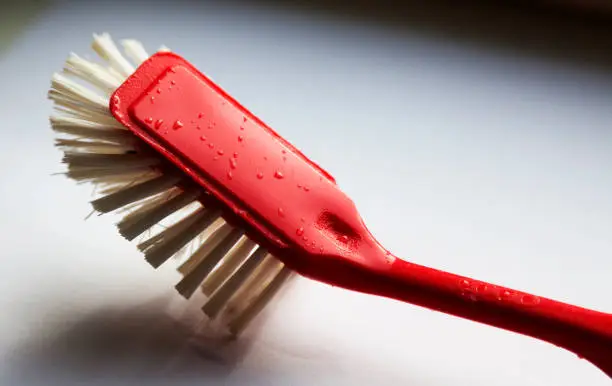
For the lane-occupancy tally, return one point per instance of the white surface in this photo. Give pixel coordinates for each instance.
(469, 160)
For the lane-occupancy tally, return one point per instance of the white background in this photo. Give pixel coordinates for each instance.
(468, 158)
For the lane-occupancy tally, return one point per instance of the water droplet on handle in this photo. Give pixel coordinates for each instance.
(240, 138)
(504, 295)
(281, 212)
(260, 175)
(232, 162)
(299, 231)
(177, 125)
(220, 152)
(149, 120)
(158, 124)
(530, 300)
(278, 175)
(230, 175)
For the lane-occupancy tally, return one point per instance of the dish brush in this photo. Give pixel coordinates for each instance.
(242, 209)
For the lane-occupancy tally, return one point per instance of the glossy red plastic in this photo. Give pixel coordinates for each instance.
(294, 208)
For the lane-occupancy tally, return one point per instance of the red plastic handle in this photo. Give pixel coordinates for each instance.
(584, 332)
(294, 208)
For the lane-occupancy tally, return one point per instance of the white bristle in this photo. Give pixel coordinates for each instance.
(255, 285)
(158, 203)
(221, 296)
(145, 204)
(70, 109)
(92, 73)
(190, 282)
(229, 264)
(107, 180)
(146, 216)
(171, 230)
(114, 183)
(237, 324)
(59, 121)
(212, 241)
(92, 146)
(78, 94)
(135, 193)
(116, 74)
(163, 49)
(134, 50)
(88, 129)
(106, 48)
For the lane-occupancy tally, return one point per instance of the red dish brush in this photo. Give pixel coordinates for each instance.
(247, 208)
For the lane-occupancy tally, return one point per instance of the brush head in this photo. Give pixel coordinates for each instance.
(262, 183)
(169, 216)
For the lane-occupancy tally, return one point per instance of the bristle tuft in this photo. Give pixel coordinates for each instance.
(208, 261)
(106, 48)
(229, 287)
(139, 221)
(159, 252)
(135, 51)
(93, 73)
(135, 193)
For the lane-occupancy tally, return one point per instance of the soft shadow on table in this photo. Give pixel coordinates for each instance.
(143, 345)
(116, 345)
